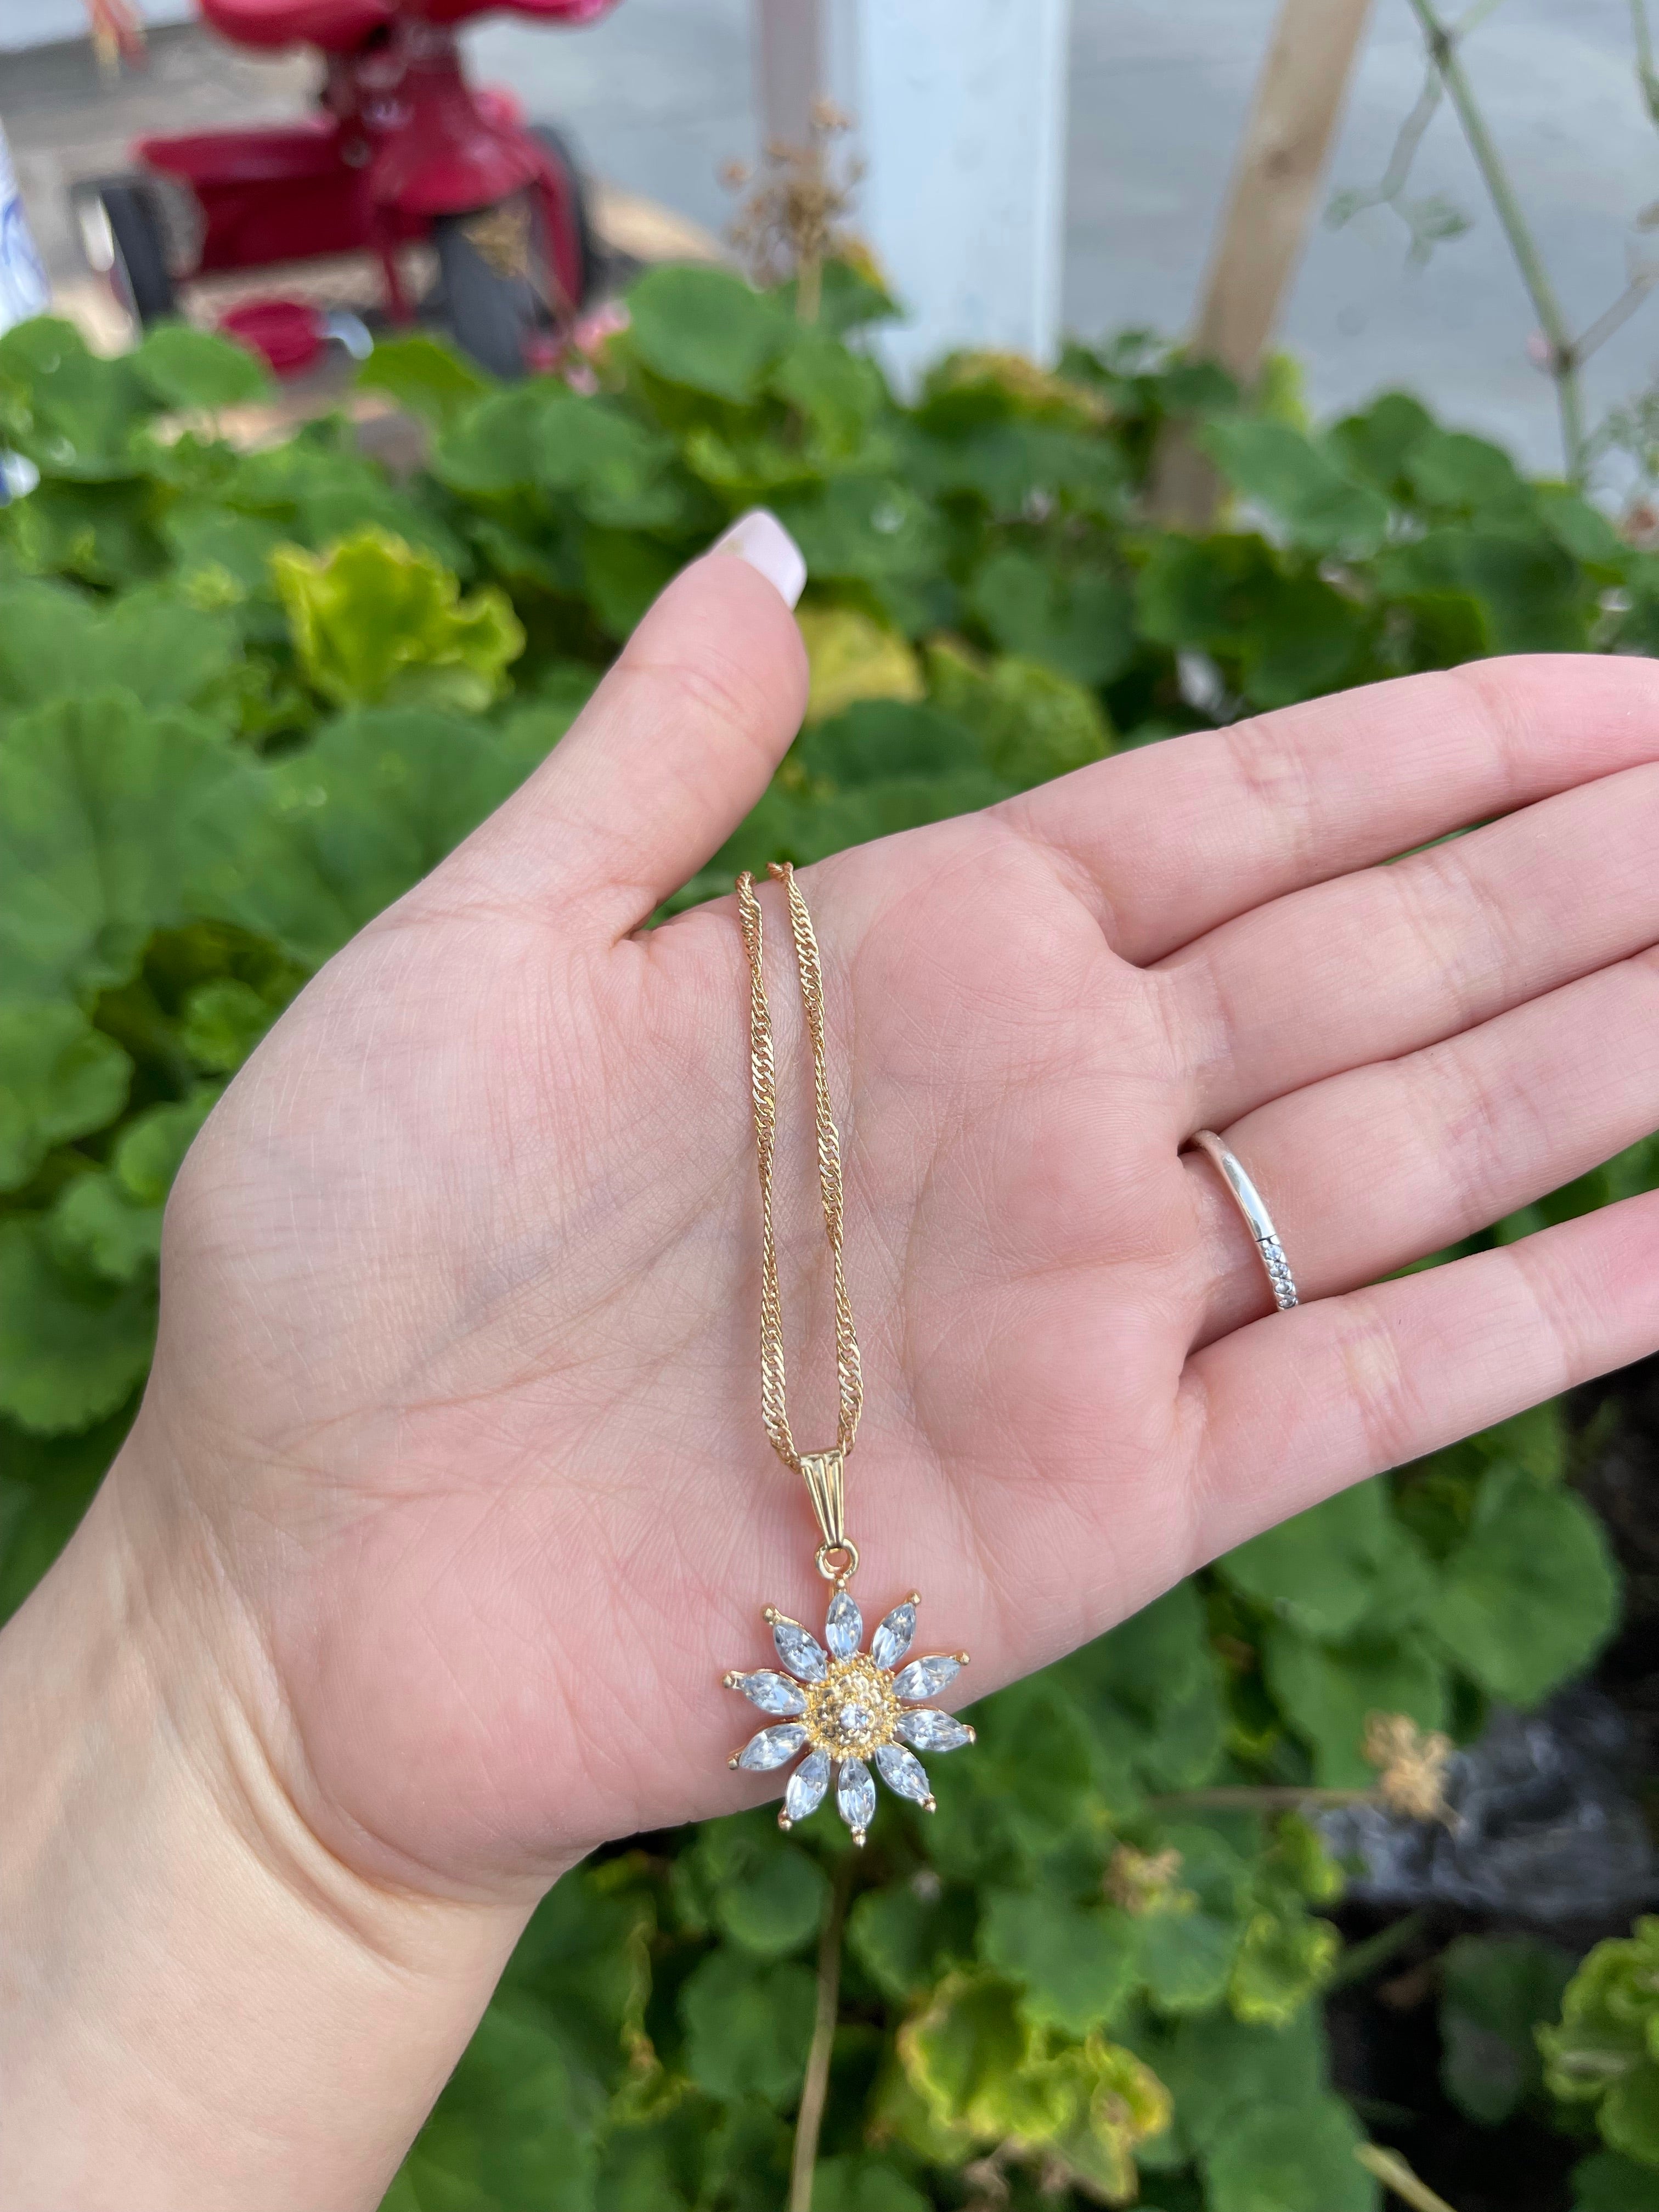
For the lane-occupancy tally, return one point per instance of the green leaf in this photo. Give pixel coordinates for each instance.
(1326, 1692)
(1495, 1992)
(841, 394)
(1157, 1673)
(187, 368)
(1032, 723)
(907, 1935)
(769, 1894)
(1076, 1968)
(348, 825)
(970, 2055)
(59, 1078)
(875, 531)
(1081, 623)
(223, 1020)
(1025, 1790)
(1284, 1960)
(707, 329)
(1335, 1568)
(1531, 591)
(1185, 1959)
(166, 651)
(1532, 1594)
(620, 474)
(863, 2184)
(1219, 2069)
(102, 809)
(1608, 2182)
(876, 738)
(1291, 634)
(109, 1222)
(72, 413)
(1295, 2159)
(621, 575)
(1604, 2049)
(1378, 444)
(1296, 481)
(425, 377)
(515, 2125)
(373, 616)
(72, 1348)
(488, 450)
(1450, 469)
(585, 1962)
(747, 2027)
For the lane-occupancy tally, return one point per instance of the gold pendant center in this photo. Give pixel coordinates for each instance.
(853, 1711)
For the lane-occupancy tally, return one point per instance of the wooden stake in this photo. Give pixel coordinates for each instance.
(1287, 143)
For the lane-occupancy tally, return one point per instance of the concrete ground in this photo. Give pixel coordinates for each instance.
(659, 95)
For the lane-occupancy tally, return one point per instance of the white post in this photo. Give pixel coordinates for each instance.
(960, 109)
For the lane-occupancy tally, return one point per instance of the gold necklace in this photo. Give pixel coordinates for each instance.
(844, 1707)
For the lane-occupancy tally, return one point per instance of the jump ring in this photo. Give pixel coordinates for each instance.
(848, 1553)
(1257, 1219)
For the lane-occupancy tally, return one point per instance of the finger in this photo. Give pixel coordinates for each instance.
(1393, 958)
(1172, 839)
(1300, 1405)
(673, 749)
(1384, 1164)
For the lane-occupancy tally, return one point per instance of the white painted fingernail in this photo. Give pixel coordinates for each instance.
(761, 539)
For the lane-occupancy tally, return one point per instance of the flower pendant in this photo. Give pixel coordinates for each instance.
(848, 1709)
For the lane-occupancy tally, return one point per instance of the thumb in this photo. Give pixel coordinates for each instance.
(672, 751)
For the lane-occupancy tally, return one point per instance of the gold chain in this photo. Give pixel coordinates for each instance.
(822, 1470)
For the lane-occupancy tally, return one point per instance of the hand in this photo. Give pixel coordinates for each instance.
(453, 1449)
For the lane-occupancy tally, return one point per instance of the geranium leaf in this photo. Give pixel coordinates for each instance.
(1531, 1595)
(59, 1078)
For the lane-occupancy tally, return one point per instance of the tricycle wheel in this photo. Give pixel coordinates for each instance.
(124, 239)
(489, 301)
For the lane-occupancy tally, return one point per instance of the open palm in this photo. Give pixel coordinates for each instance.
(457, 1393)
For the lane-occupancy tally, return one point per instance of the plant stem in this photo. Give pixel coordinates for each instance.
(1646, 75)
(816, 2088)
(1360, 1960)
(1248, 1797)
(1392, 2170)
(809, 288)
(1564, 356)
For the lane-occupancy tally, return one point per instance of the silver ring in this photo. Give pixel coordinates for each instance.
(1257, 1219)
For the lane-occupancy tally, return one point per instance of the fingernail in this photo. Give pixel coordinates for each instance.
(761, 539)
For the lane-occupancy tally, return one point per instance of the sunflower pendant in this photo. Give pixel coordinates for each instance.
(848, 1709)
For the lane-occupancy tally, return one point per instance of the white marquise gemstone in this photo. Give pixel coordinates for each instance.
(806, 1786)
(844, 1630)
(773, 1693)
(799, 1650)
(902, 1771)
(892, 1639)
(855, 1796)
(926, 1678)
(934, 1731)
(771, 1748)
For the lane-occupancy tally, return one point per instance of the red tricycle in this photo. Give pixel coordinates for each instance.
(400, 151)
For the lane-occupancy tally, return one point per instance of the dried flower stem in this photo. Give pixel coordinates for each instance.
(1392, 2170)
(790, 223)
(815, 2089)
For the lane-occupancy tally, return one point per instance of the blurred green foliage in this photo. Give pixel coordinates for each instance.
(246, 698)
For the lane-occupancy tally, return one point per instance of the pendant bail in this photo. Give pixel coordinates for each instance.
(826, 1484)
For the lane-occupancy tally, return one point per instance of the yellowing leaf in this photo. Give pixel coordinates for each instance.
(853, 657)
(375, 617)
